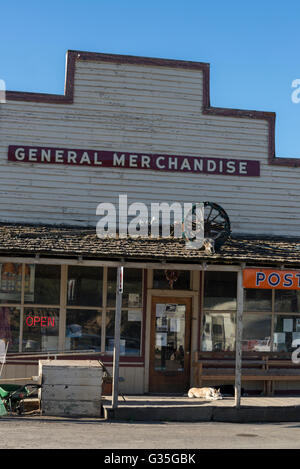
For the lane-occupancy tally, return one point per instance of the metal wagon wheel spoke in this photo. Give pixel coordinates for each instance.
(211, 209)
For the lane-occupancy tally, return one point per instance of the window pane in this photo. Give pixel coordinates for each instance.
(220, 290)
(287, 301)
(130, 334)
(42, 284)
(10, 282)
(257, 300)
(85, 286)
(162, 278)
(10, 327)
(286, 329)
(218, 332)
(83, 330)
(133, 285)
(132, 290)
(257, 332)
(111, 286)
(40, 329)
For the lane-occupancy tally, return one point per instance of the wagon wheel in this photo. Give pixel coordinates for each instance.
(216, 223)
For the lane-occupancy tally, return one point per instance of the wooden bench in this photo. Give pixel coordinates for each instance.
(255, 367)
(280, 369)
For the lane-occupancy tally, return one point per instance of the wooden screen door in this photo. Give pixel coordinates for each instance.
(170, 344)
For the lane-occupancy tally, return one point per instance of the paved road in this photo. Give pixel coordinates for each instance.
(47, 432)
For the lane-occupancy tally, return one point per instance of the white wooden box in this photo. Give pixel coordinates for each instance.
(71, 387)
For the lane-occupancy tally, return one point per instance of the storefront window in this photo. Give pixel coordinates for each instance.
(220, 290)
(40, 329)
(10, 282)
(10, 327)
(171, 279)
(271, 332)
(132, 289)
(287, 329)
(130, 334)
(83, 330)
(42, 284)
(218, 332)
(257, 332)
(257, 300)
(287, 301)
(85, 286)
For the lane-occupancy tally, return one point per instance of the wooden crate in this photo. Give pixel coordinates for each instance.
(71, 387)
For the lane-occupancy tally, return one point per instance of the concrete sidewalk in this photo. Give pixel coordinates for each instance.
(183, 409)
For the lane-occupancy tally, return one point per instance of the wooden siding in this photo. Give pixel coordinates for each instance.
(133, 379)
(139, 108)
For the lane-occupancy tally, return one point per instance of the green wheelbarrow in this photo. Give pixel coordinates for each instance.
(12, 397)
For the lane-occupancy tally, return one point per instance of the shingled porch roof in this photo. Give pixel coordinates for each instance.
(58, 241)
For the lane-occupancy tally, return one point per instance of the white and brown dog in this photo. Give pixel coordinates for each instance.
(210, 394)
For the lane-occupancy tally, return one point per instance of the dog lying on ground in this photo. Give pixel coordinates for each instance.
(210, 394)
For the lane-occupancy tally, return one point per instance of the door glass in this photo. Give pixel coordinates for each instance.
(169, 337)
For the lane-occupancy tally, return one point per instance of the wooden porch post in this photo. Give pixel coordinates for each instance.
(119, 291)
(238, 338)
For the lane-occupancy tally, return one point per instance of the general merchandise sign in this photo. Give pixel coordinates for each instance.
(133, 160)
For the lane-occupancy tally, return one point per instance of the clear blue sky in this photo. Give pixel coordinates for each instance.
(253, 46)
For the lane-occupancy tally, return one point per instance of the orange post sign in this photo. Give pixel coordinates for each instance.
(271, 278)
